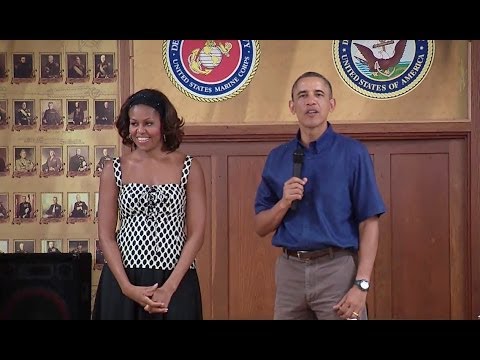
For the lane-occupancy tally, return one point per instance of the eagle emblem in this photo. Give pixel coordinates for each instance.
(378, 64)
(383, 69)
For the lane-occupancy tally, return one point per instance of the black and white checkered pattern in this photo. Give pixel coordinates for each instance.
(152, 228)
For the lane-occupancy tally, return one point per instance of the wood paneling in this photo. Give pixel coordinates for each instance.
(204, 258)
(420, 236)
(424, 236)
(251, 258)
(474, 177)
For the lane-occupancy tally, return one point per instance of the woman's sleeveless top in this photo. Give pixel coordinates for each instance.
(152, 221)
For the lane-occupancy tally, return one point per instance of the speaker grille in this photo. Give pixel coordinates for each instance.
(45, 286)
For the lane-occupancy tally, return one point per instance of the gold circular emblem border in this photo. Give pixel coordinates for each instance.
(387, 96)
(215, 99)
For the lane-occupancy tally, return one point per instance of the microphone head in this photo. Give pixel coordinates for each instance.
(298, 155)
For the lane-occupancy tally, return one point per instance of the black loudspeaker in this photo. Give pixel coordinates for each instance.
(45, 286)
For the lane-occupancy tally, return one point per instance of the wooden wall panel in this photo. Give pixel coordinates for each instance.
(420, 236)
(460, 275)
(251, 258)
(204, 258)
(423, 236)
(381, 283)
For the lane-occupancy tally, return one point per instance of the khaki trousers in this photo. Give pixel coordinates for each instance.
(308, 289)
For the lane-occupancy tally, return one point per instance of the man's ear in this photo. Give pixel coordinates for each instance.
(291, 106)
(333, 104)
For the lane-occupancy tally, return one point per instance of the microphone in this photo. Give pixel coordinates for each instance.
(297, 169)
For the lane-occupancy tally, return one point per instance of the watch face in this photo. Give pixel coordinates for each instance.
(364, 285)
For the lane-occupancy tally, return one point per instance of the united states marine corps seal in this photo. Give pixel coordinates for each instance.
(211, 70)
(383, 69)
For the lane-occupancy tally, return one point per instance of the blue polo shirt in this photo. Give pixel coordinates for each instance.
(341, 192)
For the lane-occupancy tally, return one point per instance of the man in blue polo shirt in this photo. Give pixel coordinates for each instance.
(329, 236)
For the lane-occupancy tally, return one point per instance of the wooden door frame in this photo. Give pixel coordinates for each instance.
(474, 147)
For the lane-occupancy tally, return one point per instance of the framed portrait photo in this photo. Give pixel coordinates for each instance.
(4, 116)
(52, 114)
(48, 246)
(3, 246)
(96, 196)
(78, 207)
(78, 246)
(104, 114)
(103, 153)
(4, 164)
(50, 67)
(99, 258)
(51, 161)
(77, 65)
(51, 207)
(23, 67)
(25, 207)
(4, 208)
(24, 113)
(24, 161)
(24, 246)
(78, 115)
(78, 160)
(105, 67)
(3, 67)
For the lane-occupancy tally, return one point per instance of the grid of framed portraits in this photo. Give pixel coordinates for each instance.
(48, 207)
(71, 67)
(50, 174)
(57, 114)
(54, 245)
(54, 160)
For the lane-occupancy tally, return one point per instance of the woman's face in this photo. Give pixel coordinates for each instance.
(145, 127)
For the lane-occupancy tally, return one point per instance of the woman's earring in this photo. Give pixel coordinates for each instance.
(164, 138)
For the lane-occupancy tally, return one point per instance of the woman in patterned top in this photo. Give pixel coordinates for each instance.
(150, 270)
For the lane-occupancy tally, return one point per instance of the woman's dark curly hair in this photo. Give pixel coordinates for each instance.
(171, 124)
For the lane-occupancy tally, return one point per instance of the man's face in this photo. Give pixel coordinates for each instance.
(23, 59)
(50, 244)
(50, 58)
(55, 200)
(52, 153)
(77, 60)
(77, 197)
(102, 58)
(105, 152)
(23, 154)
(79, 151)
(24, 198)
(312, 102)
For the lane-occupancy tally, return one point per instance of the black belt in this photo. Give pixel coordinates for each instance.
(312, 254)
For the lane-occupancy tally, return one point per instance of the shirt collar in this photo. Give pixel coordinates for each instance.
(322, 143)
